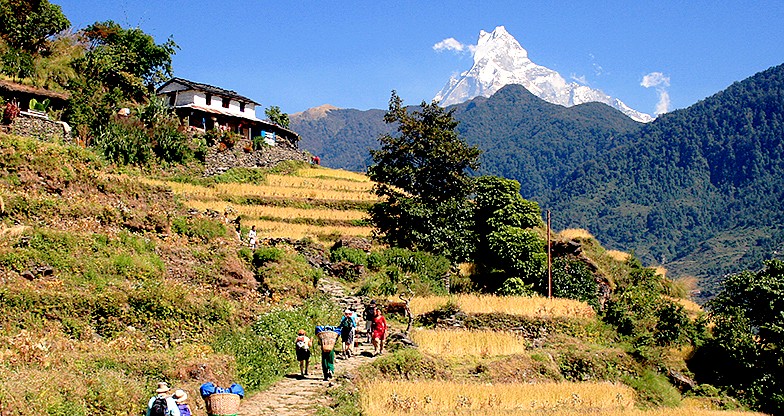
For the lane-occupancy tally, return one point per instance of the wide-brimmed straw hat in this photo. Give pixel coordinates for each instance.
(180, 396)
(162, 387)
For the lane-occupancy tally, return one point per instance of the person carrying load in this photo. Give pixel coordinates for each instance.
(328, 336)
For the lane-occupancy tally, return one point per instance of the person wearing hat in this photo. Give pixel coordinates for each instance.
(368, 315)
(302, 347)
(162, 403)
(348, 326)
(180, 397)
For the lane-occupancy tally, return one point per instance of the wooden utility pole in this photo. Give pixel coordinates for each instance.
(549, 261)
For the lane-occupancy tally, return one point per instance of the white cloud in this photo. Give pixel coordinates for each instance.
(449, 44)
(655, 79)
(661, 82)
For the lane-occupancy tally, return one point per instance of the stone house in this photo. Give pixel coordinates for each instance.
(30, 121)
(206, 107)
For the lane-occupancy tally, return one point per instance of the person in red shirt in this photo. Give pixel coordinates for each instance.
(379, 331)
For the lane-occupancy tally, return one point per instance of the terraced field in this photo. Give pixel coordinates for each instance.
(312, 202)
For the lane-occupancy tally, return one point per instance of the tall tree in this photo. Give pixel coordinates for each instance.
(749, 337)
(28, 24)
(120, 66)
(421, 175)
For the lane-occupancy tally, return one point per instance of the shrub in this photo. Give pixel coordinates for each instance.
(125, 141)
(515, 286)
(264, 352)
(264, 255)
(654, 390)
(201, 228)
(409, 363)
(573, 280)
(351, 255)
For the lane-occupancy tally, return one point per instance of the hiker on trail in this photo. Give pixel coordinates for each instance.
(252, 237)
(162, 403)
(368, 315)
(302, 346)
(180, 397)
(327, 339)
(348, 326)
(379, 330)
(238, 228)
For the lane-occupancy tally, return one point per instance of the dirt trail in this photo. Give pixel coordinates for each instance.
(292, 396)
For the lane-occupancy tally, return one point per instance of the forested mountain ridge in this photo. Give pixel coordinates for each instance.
(699, 189)
(522, 136)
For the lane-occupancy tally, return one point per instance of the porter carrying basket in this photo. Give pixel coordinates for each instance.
(222, 404)
(327, 340)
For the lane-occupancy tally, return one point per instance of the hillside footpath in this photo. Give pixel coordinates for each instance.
(293, 396)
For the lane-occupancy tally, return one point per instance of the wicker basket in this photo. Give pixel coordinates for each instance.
(222, 404)
(328, 340)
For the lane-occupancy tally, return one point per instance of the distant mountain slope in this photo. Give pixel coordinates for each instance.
(699, 189)
(340, 137)
(522, 136)
(535, 142)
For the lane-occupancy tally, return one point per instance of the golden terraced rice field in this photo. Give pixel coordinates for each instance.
(441, 398)
(311, 190)
(512, 305)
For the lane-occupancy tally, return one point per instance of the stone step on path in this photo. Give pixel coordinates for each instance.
(293, 396)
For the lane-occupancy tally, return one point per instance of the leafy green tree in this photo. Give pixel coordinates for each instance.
(507, 246)
(27, 25)
(749, 336)
(121, 66)
(276, 116)
(573, 280)
(421, 175)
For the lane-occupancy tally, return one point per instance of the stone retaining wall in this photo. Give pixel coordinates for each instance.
(218, 161)
(39, 127)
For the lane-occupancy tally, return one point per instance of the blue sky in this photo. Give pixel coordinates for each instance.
(351, 54)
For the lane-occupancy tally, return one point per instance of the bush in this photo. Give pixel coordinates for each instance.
(264, 352)
(410, 364)
(654, 390)
(515, 286)
(573, 280)
(264, 255)
(351, 255)
(125, 141)
(201, 228)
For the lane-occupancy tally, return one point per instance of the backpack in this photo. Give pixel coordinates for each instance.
(346, 323)
(159, 407)
(301, 344)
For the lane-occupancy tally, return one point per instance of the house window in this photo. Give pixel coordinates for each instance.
(226, 102)
(242, 107)
(209, 99)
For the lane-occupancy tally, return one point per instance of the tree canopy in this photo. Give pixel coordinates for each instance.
(27, 25)
(421, 175)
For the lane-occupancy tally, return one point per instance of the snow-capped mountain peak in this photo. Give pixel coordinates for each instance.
(499, 60)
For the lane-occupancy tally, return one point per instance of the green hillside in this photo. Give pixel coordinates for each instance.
(698, 190)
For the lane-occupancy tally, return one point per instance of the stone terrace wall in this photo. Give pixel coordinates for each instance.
(218, 161)
(39, 127)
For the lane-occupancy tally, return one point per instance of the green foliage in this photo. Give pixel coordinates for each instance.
(39, 105)
(653, 390)
(352, 255)
(421, 176)
(263, 255)
(121, 65)
(200, 228)
(515, 286)
(410, 364)
(507, 246)
(397, 270)
(27, 25)
(125, 141)
(265, 351)
(573, 280)
(749, 337)
(276, 116)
